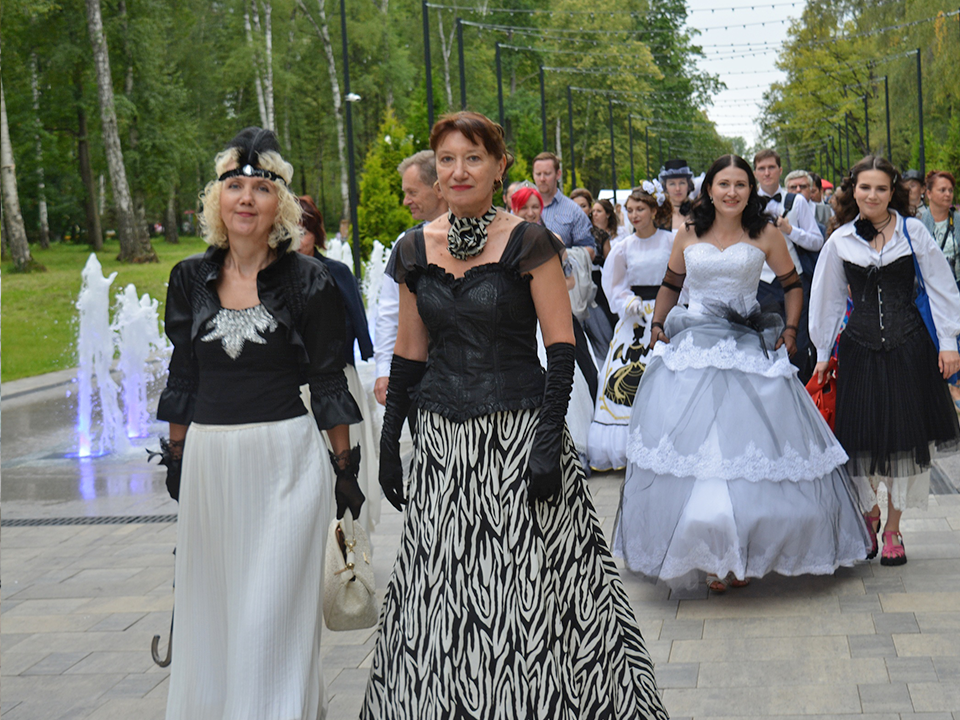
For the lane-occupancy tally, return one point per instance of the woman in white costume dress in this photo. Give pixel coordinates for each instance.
(732, 471)
(249, 319)
(893, 405)
(631, 279)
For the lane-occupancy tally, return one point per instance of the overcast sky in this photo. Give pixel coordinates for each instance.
(736, 109)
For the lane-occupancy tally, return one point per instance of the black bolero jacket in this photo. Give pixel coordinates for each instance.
(300, 294)
(353, 304)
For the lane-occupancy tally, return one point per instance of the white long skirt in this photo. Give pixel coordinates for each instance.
(255, 504)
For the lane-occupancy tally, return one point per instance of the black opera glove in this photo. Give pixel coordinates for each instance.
(667, 298)
(171, 457)
(404, 376)
(793, 302)
(544, 472)
(347, 490)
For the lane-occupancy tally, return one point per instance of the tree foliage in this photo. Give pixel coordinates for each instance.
(184, 81)
(836, 59)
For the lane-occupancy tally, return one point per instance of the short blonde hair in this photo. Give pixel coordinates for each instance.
(285, 225)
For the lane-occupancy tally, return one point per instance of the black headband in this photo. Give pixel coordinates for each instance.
(250, 171)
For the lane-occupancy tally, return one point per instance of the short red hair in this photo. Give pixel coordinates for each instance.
(521, 196)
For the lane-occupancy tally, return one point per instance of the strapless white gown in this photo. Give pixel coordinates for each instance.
(731, 468)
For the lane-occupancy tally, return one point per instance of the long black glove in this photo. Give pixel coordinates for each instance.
(404, 376)
(544, 467)
(667, 298)
(171, 456)
(347, 490)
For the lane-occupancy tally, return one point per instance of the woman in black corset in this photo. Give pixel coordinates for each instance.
(250, 320)
(504, 600)
(893, 405)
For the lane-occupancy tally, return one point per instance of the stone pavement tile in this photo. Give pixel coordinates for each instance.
(104, 575)
(886, 697)
(908, 670)
(73, 689)
(927, 716)
(866, 603)
(134, 686)
(843, 624)
(344, 706)
(819, 716)
(659, 650)
(162, 689)
(924, 645)
(87, 641)
(130, 603)
(738, 605)
(50, 623)
(349, 682)
(124, 709)
(5, 706)
(9, 640)
(935, 697)
(53, 708)
(60, 606)
(97, 663)
(338, 657)
(677, 675)
(875, 585)
(681, 630)
(939, 622)
(872, 646)
(797, 671)
(763, 702)
(53, 664)
(948, 669)
(153, 623)
(735, 649)
(117, 622)
(911, 601)
(348, 637)
(917, 525)
(650, 628)
(890, 623)
(14, 663)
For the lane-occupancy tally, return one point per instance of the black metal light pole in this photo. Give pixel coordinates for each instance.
(886, 93)
(633, 181)
(428, 69)
(352, 170)
(846, 126)
(500, 114)
(646, 141)
(573, 144)
(613, 153)
(923, 147)
(543, 110)
(866, 121)
(463, 71)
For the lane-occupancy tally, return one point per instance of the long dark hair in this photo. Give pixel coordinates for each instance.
(703, 213)
(611, 216)
(846, 205)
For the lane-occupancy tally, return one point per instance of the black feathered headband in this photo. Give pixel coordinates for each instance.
(249, 143)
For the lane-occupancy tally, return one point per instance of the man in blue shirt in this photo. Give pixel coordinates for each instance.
(560, 214)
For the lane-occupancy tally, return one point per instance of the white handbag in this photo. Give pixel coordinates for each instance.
(349, 588)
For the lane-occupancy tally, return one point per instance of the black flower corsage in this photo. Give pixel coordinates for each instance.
(865, 230)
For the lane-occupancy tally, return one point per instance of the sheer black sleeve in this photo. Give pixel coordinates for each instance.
(324, 336)
(179, 396)
(537, 246)
(404, 264)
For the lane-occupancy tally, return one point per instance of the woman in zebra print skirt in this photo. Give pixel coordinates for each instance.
(504, 600)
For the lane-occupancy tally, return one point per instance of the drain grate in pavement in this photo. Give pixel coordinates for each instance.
(102, 520)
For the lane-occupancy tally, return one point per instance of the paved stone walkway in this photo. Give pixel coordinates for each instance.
(81, 603)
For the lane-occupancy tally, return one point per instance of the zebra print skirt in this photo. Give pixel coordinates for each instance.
(496, 609)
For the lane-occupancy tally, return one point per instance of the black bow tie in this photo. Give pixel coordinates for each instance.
(775, 198)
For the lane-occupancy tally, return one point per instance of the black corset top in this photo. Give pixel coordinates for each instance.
(482, 327)
(884, 315)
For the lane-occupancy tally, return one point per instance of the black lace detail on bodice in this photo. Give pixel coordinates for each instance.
(884, 316)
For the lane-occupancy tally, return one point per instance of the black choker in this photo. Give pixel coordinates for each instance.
(867, 230)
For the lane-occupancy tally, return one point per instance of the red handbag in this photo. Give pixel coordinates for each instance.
(825, 394)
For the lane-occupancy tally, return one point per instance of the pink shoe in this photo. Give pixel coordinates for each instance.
(892, 554)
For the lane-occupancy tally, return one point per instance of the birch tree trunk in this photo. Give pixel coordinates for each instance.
(262, 65)
(139, 202)
(323, 32)
(446, 47)
(41, 187)
(134, 242)
(13, 219)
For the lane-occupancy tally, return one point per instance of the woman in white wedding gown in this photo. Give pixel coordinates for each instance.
(732, 472)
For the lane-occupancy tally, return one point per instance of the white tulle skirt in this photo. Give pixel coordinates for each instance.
(731, 467)
(255, 504)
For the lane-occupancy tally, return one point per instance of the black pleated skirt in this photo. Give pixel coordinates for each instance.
(893, 407)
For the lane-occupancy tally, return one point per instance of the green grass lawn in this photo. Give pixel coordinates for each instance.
(39, 315)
